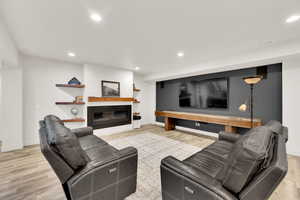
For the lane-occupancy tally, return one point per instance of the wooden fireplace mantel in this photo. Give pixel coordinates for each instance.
(231, 123)
(101, 99)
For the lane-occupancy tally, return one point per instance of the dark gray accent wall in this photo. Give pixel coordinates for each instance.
(267, 97)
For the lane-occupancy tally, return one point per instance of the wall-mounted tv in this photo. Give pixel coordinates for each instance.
(204, 94)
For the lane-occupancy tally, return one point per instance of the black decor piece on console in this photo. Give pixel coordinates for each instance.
(108, 116)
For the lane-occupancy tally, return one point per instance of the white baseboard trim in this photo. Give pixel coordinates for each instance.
(198, 132)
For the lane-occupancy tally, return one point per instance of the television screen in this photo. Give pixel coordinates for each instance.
(204, 94)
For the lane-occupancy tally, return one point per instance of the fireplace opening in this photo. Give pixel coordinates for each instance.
(108, 116)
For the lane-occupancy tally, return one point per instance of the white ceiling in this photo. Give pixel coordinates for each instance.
(149, 33)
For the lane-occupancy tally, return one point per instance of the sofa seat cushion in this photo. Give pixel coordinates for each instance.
(65, 143)
(102, 154)
(249, 155)
(207, 163)
(90, 141)
(220, 148)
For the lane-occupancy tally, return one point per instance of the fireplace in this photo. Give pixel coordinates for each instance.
(108, 116)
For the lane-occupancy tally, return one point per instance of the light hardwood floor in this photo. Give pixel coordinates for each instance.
(26, 175)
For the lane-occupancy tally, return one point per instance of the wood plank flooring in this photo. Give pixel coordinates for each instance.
(26, 175)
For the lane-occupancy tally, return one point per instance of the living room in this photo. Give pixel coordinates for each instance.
(149, 100)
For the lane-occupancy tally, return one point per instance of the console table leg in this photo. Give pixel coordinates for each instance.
(230, 129)
(169, 124)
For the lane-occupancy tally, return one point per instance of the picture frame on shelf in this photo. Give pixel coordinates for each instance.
(110, 89)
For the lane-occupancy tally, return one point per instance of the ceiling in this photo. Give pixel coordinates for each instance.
(149, 33)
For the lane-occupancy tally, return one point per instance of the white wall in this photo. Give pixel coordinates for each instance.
(1, 134)
(291, 100)
(40, 94)
(12, 102)
(8, 50)
(147, 97)
(1, 125)
(10, 92)
(93, 75)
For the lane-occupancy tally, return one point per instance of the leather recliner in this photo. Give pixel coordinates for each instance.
(88, 167)
(246, 167)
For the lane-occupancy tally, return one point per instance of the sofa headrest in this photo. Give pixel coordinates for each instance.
(277, 128)
(54, 118)
(50, 123)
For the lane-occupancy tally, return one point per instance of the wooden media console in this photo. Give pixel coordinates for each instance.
(231, 123)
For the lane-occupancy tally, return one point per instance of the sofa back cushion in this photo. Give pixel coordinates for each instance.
(251, 153)
(65, 143)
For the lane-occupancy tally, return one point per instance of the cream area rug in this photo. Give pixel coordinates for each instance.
(151, 150)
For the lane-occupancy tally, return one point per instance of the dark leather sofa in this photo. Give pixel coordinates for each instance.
(88, 167)
(247, 167)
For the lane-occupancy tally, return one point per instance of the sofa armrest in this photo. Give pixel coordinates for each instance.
(128, 151)
(119, 170)
(195, 182)
(81, 132)
(229, 137)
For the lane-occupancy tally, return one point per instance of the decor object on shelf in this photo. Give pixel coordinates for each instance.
(78, 99)
(136, 114)
(136, 101)
(252, 80)
(74, 111)
(136, 121)
(110, 89)
(74, 81)
(135, 89)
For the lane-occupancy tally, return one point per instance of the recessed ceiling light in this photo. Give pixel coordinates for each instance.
(180, 54)
(71, 54)
(95, 17)
(136, 68)
(292, 19)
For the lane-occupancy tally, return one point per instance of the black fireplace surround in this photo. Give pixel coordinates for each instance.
(108, 116)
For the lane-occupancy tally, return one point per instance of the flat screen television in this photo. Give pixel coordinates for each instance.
(204, 94)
